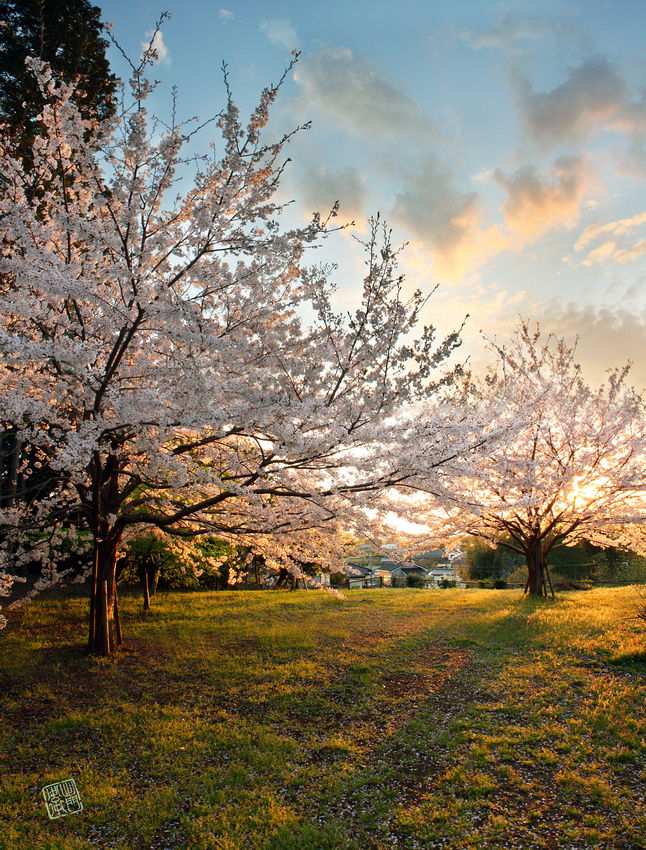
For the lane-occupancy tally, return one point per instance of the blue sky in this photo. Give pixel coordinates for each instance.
(505, 142)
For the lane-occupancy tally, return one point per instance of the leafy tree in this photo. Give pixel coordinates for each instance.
(486, 560)
(155, 557)
(568, 464)
(67, 34)
(153, 351)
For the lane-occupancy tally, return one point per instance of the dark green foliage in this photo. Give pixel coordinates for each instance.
(211, 548)
(338, 579)
(575, 563)
(486, 561)
(414, 580)
(67, 34)
(149, 560)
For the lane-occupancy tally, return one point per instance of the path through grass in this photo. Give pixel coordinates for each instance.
(294, 721)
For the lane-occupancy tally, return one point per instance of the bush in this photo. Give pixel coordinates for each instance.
(338, 579)
(519, 576)
(500, 584)
(447, 582)
(414, 580)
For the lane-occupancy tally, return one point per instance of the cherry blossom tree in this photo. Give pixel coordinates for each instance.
(154, 355)
(568, 463)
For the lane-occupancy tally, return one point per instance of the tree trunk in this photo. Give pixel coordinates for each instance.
(154, 579)
(283, 578)
(535, 573)
(143, 575)
(105, 632)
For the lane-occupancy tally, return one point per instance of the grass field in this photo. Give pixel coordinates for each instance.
(296, 721)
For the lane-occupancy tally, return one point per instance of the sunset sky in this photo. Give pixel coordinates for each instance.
(505, 142)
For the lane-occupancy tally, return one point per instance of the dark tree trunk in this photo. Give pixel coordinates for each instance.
(154, 579)
(143, 575)
(538, 574)
(283, 577)
(105, 631)
(535, 572)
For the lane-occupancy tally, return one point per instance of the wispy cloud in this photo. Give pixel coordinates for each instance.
(359, 98)
(429, 206)
(280, 32)
(594, 97)
(624, 226)
(162, 52)
(225, 15)
(419, 164)
(608, 336)
(513, 33)
(322, 185)
(619, 242)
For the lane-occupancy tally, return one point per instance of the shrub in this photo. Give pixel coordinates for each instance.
(414, 580)
(338, 579)
(447, 582)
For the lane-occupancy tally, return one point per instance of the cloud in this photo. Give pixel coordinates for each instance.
(430, 207)
(632, 122)
(417, 164)
(358, 97)
(603, 252)
(280, 32)
(630, 255)
(157, 44)
(608, 337)
(537, 202)
(225, 15)
(612, 242)
(405, 146)
(513, 33)
(592, 95)
(617, 228)
(398, 140)
(448, 225)
(321, 186)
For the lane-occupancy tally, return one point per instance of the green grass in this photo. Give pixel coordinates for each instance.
(396, 719)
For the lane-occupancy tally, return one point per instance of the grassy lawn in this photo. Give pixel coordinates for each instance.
(396, 719)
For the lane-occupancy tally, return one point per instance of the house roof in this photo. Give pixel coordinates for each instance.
(407, 569)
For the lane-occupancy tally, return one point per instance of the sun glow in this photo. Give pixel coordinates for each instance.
(586, 492)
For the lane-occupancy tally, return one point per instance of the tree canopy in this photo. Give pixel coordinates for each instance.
(154, 354)
(68, 36)
(568, 464)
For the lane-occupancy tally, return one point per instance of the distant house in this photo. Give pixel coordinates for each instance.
(401, 572)
(362, 575)
(445, 572)
(432, 567)
(431, 558)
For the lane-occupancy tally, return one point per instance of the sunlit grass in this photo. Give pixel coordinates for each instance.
(410, 718)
